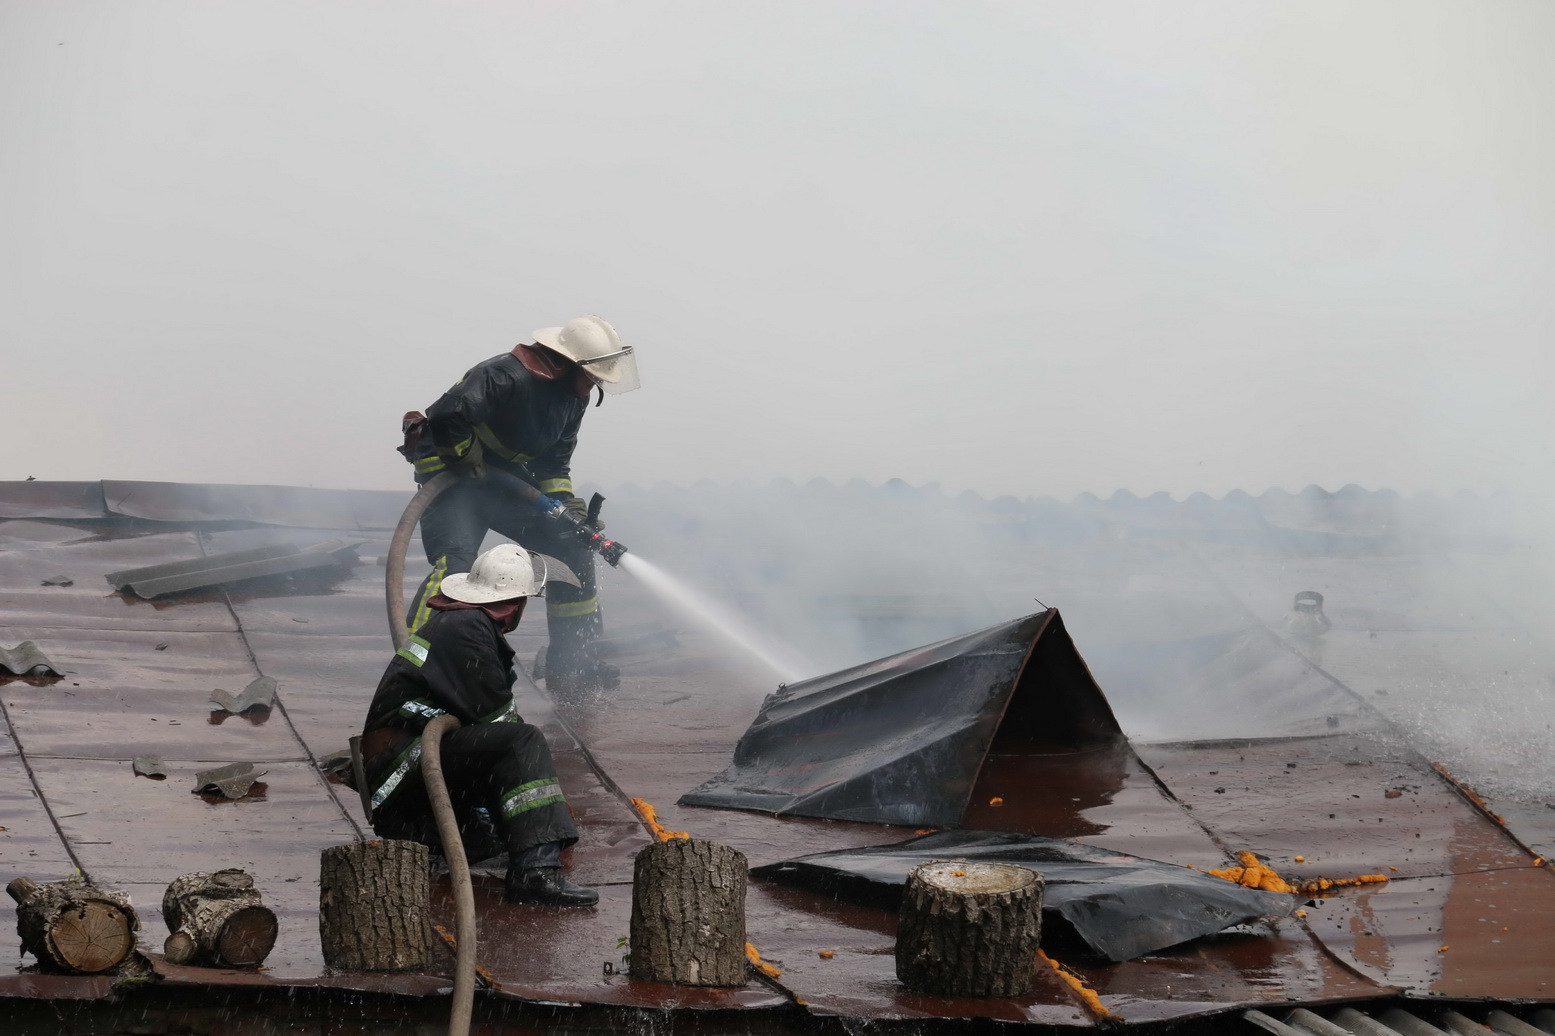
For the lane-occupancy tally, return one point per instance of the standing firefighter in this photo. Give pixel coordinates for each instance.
(459, 662)
(520, 412)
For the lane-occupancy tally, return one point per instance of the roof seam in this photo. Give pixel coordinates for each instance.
(165, 760)
(1463, 791)
(248, 648)
(37, 789)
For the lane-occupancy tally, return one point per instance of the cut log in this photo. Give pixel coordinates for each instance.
(217, 920)
(373, 906)
(73, 926)
(688, 914)
(969, 929)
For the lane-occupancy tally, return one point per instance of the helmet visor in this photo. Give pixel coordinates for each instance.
(614, 372)
(537, 563)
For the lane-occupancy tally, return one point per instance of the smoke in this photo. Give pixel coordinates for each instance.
(1180, 607)
(1196, 247)
(1028, 248)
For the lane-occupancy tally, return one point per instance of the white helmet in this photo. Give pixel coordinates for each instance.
(593, 344)
(503, 573)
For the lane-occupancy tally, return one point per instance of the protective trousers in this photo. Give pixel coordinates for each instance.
(503, 768)
(452, 529)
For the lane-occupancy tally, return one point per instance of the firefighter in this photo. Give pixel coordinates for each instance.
(497, 767)
(520, 411)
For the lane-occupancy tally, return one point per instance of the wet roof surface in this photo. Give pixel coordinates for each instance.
(1298, 753)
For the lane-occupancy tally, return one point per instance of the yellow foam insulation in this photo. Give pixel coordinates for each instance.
(1086, 994)
(651, 818)
(1256, 875)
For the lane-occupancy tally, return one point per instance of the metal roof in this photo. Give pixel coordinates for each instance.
(1250, 739)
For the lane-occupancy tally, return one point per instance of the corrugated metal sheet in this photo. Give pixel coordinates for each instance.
(155, 581)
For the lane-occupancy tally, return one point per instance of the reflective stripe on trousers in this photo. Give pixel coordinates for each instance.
(404, 765)
(572, 609)
(533, 795)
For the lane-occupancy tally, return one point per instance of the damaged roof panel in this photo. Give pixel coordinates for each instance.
(130, 692)
(35, 499)
(219, 569)
(150, 829)
(673, 724)
(264, 505)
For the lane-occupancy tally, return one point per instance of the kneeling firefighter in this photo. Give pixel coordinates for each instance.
(520, 412)
(497, 767)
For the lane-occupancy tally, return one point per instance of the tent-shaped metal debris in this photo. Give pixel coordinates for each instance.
(901, 740)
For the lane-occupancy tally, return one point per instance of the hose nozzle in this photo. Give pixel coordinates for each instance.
(584, 529)
(612, 551)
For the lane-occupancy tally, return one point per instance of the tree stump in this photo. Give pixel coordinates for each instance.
(688, 914)
(73, 926)
(969, 929)
(217, 919)
(374, 906)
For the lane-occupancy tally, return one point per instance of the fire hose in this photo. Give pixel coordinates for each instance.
(550, 507)
(458, 872)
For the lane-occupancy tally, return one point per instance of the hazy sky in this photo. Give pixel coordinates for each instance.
(1029, 248)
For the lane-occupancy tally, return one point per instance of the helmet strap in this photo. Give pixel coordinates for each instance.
(506, 619)
(601, 390)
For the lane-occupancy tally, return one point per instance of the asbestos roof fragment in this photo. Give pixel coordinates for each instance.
(26, 660)
(149, 766)
(233, 780)
(259, 694)
(157, 580)
(58, 581)
(335, 762)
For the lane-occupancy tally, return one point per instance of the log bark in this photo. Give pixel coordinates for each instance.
(969, 929)
(218, 920)
(688, 914)
(72, 926)
(373, 906)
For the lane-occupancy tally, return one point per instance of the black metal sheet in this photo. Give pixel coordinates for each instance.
(1122, 906)
(901, 740)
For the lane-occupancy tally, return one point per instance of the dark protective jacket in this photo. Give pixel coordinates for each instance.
(521, 409)
(457, 662)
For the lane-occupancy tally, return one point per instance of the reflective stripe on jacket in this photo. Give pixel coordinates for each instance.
(526, 423)
(458, 662)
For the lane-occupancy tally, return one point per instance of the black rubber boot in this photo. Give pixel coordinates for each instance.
(571, 660)
(591, 676)
(546, 886)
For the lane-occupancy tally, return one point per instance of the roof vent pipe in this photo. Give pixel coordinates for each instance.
(1306, 618)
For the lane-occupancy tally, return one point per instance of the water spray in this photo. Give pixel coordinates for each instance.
(614, 552)
(707, 613)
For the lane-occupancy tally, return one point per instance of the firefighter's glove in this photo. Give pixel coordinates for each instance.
(578, 510)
